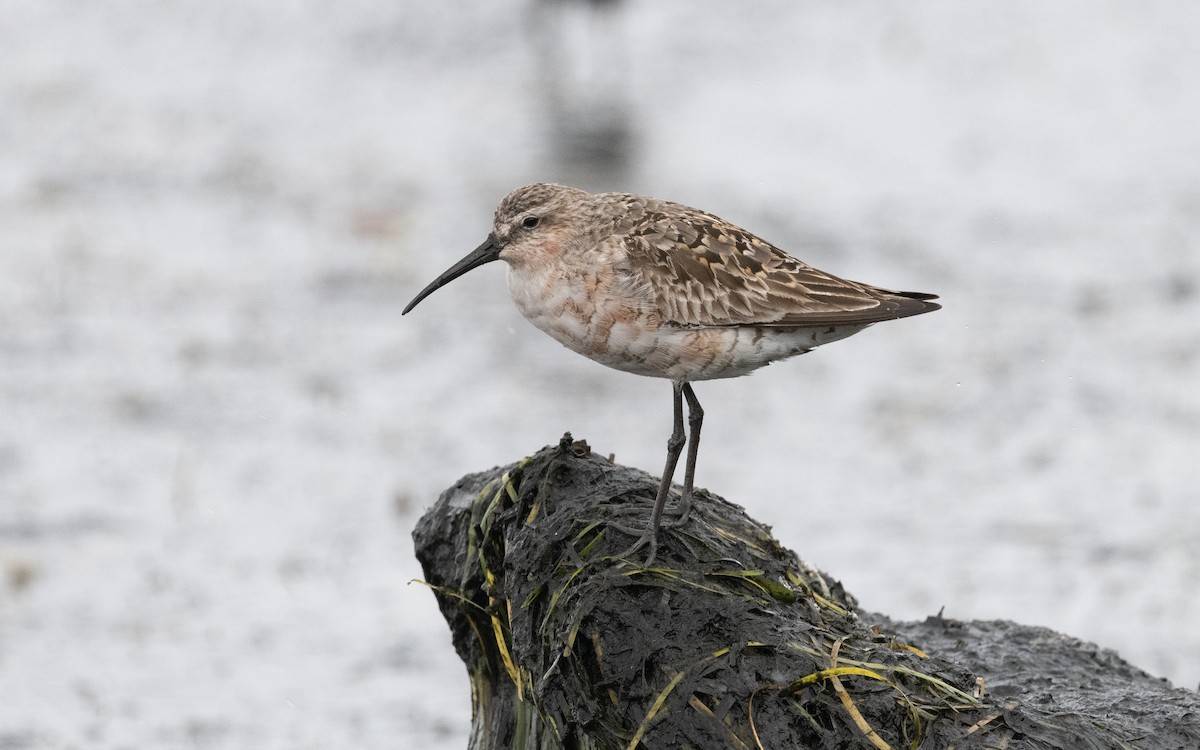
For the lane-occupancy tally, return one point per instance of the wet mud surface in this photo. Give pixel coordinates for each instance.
(729, 639)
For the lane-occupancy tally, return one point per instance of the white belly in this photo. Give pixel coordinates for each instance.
(692, 354)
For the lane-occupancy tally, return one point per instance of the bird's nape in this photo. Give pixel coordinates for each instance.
(485, 253)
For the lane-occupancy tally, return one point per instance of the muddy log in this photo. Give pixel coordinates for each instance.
(728, 640)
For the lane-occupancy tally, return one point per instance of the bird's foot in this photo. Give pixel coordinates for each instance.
(685, 511)
(648, 538)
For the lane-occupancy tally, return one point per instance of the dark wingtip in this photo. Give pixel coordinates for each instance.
(917, 295)
(913, 303)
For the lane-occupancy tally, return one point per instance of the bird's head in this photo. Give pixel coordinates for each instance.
(531, 224)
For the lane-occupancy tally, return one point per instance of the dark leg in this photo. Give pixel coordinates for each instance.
(695, 419)
(674, 448)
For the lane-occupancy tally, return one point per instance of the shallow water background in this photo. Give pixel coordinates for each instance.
(217, 430)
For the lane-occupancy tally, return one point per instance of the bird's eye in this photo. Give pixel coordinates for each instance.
(530, 222)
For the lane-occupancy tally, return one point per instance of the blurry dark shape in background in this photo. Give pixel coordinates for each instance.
(583, 61)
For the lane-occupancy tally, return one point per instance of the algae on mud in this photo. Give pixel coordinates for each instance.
(730, 640)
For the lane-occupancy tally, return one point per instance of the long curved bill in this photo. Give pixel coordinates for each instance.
(485, 253)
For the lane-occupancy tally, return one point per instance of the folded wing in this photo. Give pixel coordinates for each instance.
(708, 272)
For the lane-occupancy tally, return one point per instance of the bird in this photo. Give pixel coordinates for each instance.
(660, 289)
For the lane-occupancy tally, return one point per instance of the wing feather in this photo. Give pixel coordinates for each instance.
(705, 271)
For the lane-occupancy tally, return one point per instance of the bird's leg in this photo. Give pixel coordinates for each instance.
(695, 420)
(674, 448)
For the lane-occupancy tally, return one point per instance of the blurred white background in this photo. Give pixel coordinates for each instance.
(216, 432)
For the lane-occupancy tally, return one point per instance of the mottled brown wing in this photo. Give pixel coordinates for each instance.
(708, 272)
